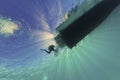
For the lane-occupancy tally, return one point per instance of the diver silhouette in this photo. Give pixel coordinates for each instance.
(50, 49)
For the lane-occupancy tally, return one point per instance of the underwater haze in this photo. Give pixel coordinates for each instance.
(26, 26)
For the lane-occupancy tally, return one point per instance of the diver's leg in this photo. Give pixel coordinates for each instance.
(45, 51)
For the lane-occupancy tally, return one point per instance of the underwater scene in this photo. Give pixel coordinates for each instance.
(29, 50)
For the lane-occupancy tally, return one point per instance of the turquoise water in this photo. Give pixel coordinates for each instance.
(96, 57)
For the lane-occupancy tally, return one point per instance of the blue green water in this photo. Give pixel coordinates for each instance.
(96, 57)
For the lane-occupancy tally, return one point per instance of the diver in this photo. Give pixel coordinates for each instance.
(50, 49)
